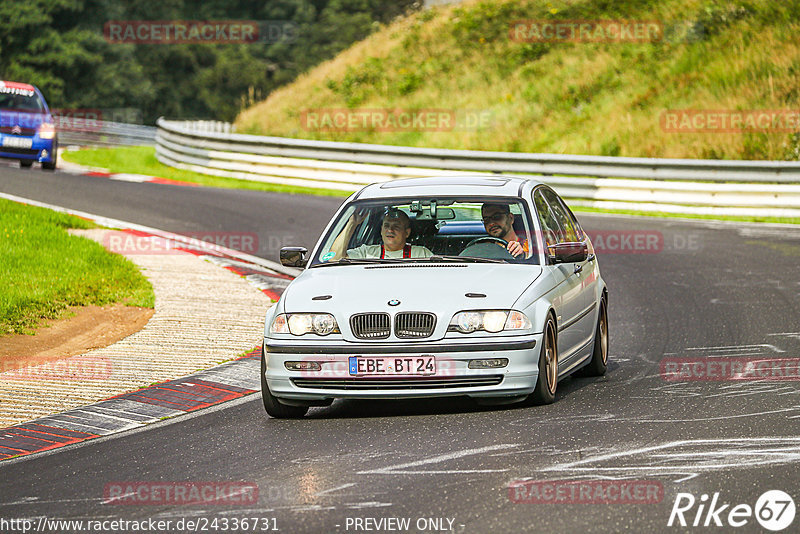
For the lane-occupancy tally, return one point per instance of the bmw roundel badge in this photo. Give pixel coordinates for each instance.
(393, 302)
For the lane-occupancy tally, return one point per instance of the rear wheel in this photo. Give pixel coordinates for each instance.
(545, 391)
(597, 366)
(271, 404)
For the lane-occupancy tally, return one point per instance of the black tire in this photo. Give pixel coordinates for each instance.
(599, 362)
(547, 382)
(272, 405)
(51, 166)
(26, 163)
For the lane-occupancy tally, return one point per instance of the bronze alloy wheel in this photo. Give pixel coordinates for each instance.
(546, 383)
(551, 358)
(603, 331)
(599, 360)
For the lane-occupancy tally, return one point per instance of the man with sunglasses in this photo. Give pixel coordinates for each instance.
(499, 222)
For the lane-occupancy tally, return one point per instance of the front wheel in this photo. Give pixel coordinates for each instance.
(545, 391)
(51, 165)
(26, 163)
(597, 366)
(271, 404)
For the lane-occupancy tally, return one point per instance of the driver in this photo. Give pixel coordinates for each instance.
(498, 221)
(395, 229)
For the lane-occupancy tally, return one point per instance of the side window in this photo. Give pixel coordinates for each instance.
(570, 230)
(550, 224)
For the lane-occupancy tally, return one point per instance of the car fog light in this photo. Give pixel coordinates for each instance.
(490, 363)
(303, 366)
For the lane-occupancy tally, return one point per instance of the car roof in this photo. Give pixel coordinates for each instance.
(17, 85)
(481, 185)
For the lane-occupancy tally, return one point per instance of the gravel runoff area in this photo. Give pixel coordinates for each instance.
(204, 315)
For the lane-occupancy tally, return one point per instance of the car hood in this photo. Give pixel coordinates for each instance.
(440, 288)
(24, 119)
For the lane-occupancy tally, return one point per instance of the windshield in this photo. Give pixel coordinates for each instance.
(20, 102)
(426, 229)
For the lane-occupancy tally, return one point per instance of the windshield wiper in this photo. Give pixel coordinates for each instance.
(463, 259)
(357, 261)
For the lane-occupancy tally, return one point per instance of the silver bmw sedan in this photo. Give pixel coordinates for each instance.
(479, 286)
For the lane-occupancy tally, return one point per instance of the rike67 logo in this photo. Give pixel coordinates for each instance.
(774, 510)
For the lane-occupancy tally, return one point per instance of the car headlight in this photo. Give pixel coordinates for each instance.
(46, 131)
(299, 324)
(467, 322)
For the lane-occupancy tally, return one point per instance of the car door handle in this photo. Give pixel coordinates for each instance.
(578, 268)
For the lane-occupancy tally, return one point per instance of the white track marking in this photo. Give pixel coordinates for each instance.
(337, 488)
(719, 454)
(400, 468)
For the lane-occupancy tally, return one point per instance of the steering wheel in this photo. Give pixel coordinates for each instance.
(487, 239)
(486, 247)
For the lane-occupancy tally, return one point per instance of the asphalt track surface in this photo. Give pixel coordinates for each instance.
(709, 292)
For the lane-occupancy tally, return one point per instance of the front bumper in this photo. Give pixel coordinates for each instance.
(41, 150)
(453, 377)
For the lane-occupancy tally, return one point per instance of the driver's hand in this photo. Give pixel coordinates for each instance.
(515, 248)
(358, 217)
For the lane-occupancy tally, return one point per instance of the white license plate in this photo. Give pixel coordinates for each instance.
(17, 142)
(395, 365)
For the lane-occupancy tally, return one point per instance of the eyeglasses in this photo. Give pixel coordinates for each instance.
(494, 218)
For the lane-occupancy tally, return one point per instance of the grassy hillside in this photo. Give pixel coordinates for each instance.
(563, 97)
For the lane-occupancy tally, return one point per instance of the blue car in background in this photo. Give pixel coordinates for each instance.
(27, 132)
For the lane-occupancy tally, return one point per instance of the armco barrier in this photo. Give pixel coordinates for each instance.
(748, 188)
(105, 133)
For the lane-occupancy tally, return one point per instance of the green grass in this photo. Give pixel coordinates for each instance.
(142, 160)
(562, 97)
(781, 220)
(44, 270)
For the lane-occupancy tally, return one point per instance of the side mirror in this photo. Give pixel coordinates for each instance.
(294, 257)
(569, 252)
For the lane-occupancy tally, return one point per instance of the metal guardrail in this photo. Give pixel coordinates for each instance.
(106, 133)
(749, 188)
